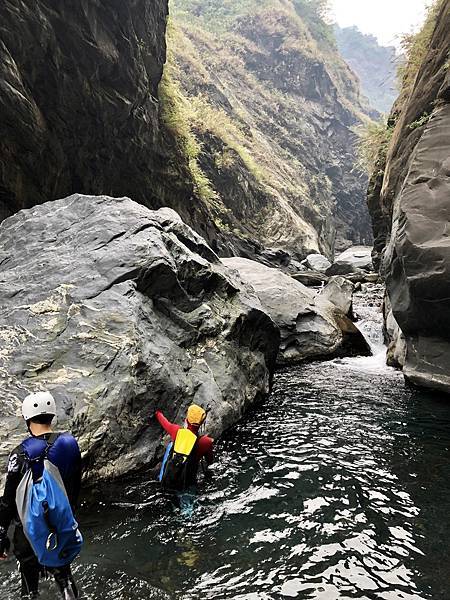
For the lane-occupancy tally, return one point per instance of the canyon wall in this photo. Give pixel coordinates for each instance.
(274, 106)
(409, 202)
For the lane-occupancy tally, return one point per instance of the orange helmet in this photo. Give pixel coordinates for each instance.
(195, 415)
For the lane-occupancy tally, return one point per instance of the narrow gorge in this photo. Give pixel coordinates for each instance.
(186, 216)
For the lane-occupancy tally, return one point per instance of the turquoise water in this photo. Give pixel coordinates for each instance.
(337, 487)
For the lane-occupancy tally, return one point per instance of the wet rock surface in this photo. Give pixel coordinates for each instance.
(310, 325)
(119, 310)
(396, 352)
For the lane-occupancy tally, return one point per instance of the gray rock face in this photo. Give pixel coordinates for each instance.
(119, 310)
(411, 214)
(417, 258)
(79, 108)
(317, 262)
(310, 326)
(339, 291)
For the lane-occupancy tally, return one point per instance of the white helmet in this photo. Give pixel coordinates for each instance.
(39, 403)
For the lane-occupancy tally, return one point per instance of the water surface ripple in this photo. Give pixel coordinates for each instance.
(337, 487)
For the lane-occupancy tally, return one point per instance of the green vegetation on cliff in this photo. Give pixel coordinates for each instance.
(177, 116)
(415, 47)
(217, 16)
(373, 143)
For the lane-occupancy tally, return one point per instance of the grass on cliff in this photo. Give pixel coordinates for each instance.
(187, 117)
(219, 16)
(176, 116)
(373, 139)
(191, 116)
(415, 47)
(215, 15)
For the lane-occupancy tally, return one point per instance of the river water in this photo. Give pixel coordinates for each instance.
(337, 487)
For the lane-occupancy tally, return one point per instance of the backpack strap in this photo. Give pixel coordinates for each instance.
(51, 440)
(32, 454)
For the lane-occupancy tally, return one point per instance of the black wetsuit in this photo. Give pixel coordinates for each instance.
(66, 455)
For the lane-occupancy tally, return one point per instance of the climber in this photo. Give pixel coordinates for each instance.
(43, 459)
(186, 452)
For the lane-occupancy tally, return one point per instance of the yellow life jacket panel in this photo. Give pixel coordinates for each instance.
(184, 442)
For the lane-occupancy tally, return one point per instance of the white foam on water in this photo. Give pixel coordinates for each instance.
(368, 309)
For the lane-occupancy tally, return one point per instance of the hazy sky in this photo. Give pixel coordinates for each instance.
(386, 19)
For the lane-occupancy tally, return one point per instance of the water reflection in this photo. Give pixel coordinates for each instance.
(336, 488)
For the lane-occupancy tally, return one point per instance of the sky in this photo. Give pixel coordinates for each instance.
(386, 19)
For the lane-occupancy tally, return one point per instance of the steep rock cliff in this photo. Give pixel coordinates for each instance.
(409, 202)
(79, 106)
(273, 105)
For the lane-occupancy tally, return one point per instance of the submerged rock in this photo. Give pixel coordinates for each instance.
(119, 310)
(310, 326)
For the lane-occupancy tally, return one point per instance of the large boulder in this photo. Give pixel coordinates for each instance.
(317, 262)
(310, 326)
(353, 260)
(119, 310)
(339, 291)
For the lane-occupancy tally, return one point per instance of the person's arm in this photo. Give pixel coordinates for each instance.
(8, 500)
(171, 428)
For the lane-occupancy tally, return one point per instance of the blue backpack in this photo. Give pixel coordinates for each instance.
(44, 508)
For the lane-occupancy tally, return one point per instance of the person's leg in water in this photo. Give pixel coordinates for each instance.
(29, 568)
(187, 500)
(64, 579)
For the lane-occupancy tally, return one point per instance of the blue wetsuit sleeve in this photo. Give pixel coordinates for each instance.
(66, 455)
